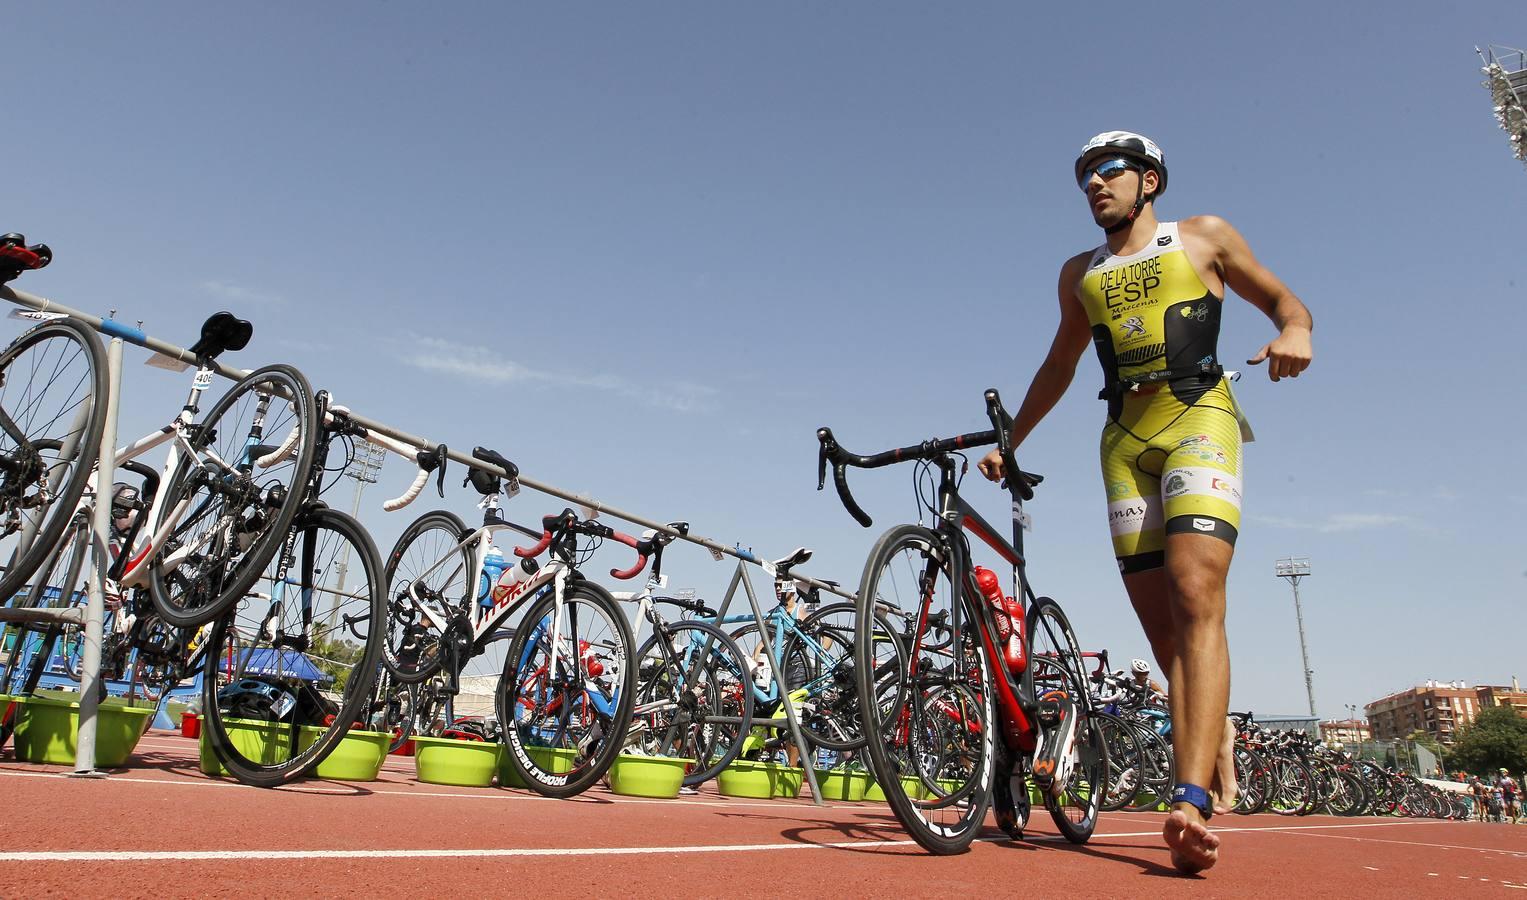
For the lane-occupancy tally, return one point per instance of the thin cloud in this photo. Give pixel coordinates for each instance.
(1338, 522)
(232, 293)
(477, 363)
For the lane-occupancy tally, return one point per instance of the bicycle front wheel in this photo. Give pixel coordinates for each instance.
(236, 511)
(52, 411)
(426, 566)
(565, 698)
(931, 731)
(300, 654)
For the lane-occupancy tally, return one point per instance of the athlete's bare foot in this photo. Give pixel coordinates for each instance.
(1194, 848)
(1223, 787)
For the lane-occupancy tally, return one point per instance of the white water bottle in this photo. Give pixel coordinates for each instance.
(513, 575)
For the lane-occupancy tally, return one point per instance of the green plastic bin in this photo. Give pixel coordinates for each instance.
(759, 781)
(47, 731)
(453, 762)
(648, 776)
(556, 760)
(843, 784)
(266, 743)
(357, 757)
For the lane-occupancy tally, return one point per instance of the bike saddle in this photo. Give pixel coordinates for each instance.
(221, 332)
(497, 459)
(782, 566)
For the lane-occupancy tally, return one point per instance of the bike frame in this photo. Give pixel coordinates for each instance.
(554, 574)
(1015, 700)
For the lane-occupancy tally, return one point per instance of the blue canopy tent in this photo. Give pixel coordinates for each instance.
(279, 663)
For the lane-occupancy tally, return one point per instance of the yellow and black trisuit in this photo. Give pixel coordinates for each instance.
(1171, 449)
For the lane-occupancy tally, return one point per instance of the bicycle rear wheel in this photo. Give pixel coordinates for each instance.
(1055, 659)
(426, 563)
(824, 643)
(1126, 762)
(931, 730)
(568, 688)
(237, 512)
(300, 660)
(693, 697)
(52, 411)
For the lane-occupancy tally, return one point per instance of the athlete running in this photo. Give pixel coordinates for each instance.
(1149, 299)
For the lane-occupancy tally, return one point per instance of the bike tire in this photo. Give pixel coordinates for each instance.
(321, 539)
(721, 683)
(594, 751)
(1126, 762)
(832, 717)
(412, 652)
(63, 346)
(944, 824)
(218, 579)
(1050, 636)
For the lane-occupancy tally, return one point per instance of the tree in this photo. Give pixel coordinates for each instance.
(337, 659)
(1496, 738)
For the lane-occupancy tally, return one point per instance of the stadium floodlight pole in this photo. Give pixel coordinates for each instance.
(363, 468)
(1505, 71)
(1294, 568)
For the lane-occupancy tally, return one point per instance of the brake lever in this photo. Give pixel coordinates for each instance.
(824, 436)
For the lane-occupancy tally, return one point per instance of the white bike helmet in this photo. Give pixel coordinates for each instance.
(1139, 667)
(1136, 147)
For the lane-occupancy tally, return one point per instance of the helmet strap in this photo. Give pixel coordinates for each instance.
(1133, 213)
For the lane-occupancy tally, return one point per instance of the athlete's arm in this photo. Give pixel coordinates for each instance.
(1071, 338)
(1291, 351)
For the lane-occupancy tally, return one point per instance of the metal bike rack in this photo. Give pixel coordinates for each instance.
(95, 606)
(123, 332)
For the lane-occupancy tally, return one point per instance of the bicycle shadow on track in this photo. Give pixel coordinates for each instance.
(175, 764)
(832, 835)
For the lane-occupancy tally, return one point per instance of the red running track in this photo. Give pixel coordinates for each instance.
(160, 828)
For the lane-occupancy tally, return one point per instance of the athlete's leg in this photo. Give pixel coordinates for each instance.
(1149, 595)
(1196, 568)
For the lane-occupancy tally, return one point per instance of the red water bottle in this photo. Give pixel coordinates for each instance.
(1009, 617)
(1017, 645)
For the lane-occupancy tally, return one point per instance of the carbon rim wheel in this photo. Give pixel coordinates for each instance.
(932, 730)
(238, 511)
(565, 698)
(425, 563)
(1055, 661)
(311, 631)
(53, 400)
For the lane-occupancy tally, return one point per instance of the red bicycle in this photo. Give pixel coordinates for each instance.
(993, 694)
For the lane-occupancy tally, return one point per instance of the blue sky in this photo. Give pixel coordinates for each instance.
(646, 249)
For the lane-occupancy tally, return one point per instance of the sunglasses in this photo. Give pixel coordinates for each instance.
(1108, 170)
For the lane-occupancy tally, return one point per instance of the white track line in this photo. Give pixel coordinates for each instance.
(490, 852)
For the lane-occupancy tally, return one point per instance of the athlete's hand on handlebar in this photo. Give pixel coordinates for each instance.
(991, 466)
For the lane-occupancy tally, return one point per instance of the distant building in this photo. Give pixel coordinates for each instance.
(1438, 708)
(1345, 731)
(1513, 696)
